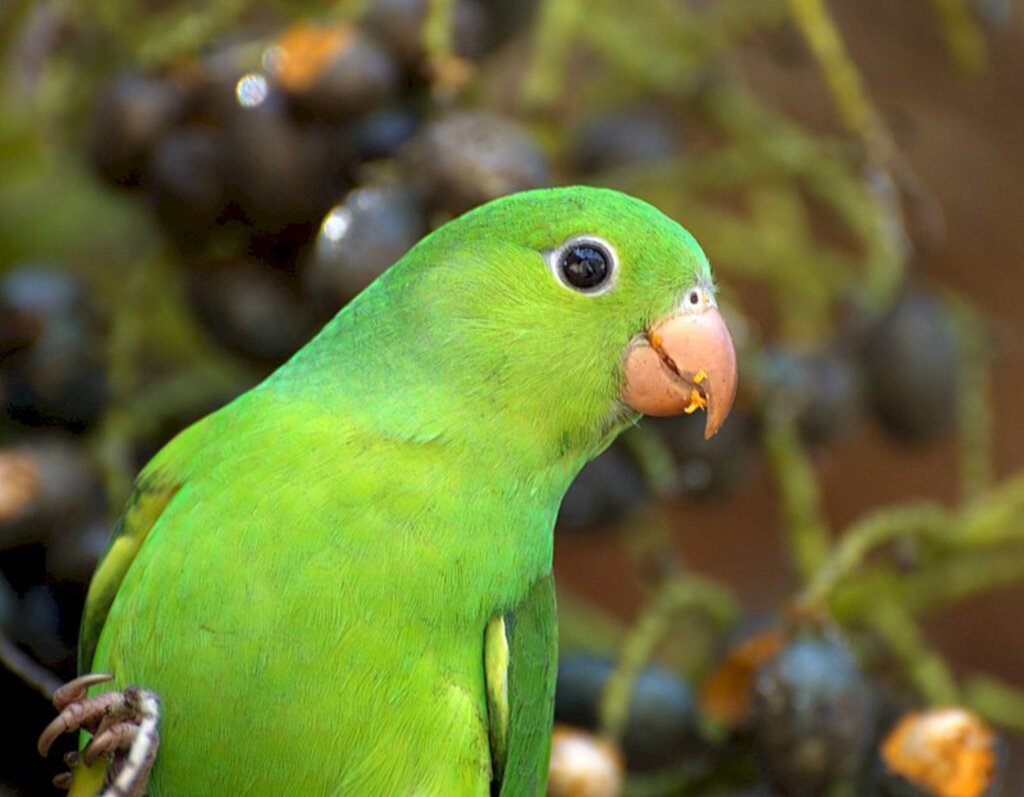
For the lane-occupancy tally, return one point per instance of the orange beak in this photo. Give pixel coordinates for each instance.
(683, 364)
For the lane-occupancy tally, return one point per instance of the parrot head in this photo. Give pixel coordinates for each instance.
(559, 315)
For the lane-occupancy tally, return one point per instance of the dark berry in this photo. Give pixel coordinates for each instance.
(581, 679)
(661, 725)
(221, 83)
(727, 691)
(812, 717)
(187, 182)
(73, 558)
(630, 137)
(824, 390)
(762, 790)
(909, 363)
(399, 24)
(8, 604)
(371, 228)
(276, 168)
(56, 375)
(38, 626)
(30, 297)
(604, 491)
(132, 114)
(712, 467)
(994, 13)
(251, 309)
(508, 17)
(357, 76)
(466, 158)
(381, 133)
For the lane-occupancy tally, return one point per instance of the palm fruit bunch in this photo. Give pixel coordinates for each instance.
(290, 169)
(779, 712)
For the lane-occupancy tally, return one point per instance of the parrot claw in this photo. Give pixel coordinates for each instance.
(75, 690)
(123, 727)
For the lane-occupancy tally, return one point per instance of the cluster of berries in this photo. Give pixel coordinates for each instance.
(794, 706)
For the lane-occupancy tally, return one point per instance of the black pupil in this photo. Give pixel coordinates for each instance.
(585, 266)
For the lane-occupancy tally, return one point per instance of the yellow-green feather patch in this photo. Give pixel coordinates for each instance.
(146, 503)
(496, 676)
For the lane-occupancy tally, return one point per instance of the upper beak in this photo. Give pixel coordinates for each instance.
(682, 364)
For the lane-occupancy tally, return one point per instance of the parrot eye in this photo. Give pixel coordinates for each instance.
(585, 265)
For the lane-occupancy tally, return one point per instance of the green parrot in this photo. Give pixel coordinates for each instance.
(340, 583)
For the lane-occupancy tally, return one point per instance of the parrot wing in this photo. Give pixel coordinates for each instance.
(158, 483)
(150, 496)
(520, 661)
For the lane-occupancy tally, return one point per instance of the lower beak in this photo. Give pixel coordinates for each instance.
(681, 365)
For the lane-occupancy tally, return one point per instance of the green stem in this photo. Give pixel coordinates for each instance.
(843, 78)
(582, 625)
(654, 459)
(647, 532)
(447, 71)
(923, 666)
(676, 595)
(799, 493)
(974, 401)
(915, 521)
(554, 34)
(437, 29)
(114, 442)
(998, 702)
(647, 535)
(952, 579)
(769, 148)
(963, 36)
(995, 517)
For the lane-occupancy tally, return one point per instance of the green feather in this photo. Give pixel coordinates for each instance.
(533, 642)
(306, 577)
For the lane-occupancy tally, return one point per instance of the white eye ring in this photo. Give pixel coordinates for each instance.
(697, 298)
(584, 264)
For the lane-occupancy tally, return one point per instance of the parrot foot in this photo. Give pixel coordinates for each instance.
(64, 779)
(123, 726)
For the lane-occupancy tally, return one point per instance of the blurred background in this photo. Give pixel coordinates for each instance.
(187, 192)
